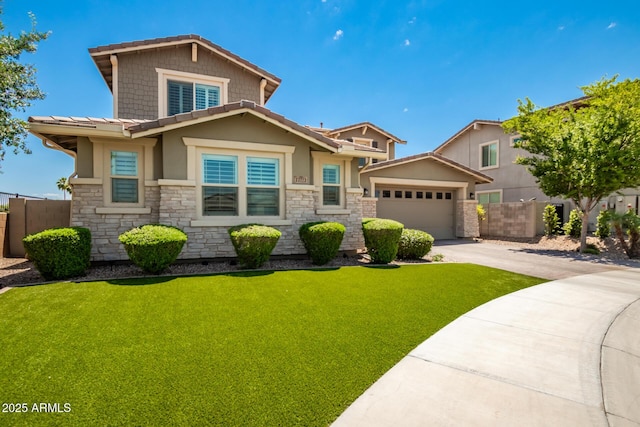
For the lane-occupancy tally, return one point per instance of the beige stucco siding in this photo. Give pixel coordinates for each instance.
(84, 159)
(236, 128)
(138, 78)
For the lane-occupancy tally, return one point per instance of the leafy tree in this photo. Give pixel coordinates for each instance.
(18, 86)
(583, 152)
(64, 186)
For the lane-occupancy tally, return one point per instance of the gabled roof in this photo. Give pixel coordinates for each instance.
(102, 57)
(65, 130)
(478, 176)
(471, 125)
(335, 132)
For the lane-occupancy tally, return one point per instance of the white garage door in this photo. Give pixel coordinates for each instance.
(428, 209)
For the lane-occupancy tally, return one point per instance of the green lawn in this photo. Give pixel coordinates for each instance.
(245, 349)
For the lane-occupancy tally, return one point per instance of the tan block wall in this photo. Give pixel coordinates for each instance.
(516, 219)
(34, 216)
(4, 234)
(467, 219)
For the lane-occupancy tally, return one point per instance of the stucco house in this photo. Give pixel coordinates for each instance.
(482, 144)
(191, 144)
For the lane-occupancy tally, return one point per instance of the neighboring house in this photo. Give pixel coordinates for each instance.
(192, 145)
(483, 144)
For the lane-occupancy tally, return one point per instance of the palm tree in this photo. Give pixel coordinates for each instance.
(64, 186)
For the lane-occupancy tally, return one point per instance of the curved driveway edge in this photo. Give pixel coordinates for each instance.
(562, 353)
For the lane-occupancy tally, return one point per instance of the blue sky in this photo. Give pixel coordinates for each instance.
(419, 69)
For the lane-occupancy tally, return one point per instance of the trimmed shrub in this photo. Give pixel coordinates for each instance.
(381, 237)
(253, 243)
(573, 227)
(550, 219)
(153, 247)
(603, 227)
(414, 244)
(59, 253)
(482, 214)
(322, 240)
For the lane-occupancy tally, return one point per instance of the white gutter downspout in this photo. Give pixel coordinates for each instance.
(114, 84)
(263, 84)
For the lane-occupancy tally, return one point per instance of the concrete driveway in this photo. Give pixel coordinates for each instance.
(546, 264)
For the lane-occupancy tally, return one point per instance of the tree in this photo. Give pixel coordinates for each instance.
(583, 152)
(64, 186)
(18, 86)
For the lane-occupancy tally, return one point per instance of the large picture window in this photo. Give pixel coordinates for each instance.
(124, 177)
(240, 185)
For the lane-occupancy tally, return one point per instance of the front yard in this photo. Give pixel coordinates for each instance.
(259, 348)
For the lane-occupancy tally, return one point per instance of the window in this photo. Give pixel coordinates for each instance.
(240, 185)
(181, 92)
(263, 192)
(489, 155)
(439, 196)
(219, 185)
(331, 185)
(124, 177)
(419, 194)
(447, 196)
(429, 195)
(489, 197)
(386, 194)
(408, 194)
(398, 194)
(183, 96)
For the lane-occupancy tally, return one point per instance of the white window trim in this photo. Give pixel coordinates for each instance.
(497, 165)
(489, 191)
(320, 159)
(513, 138)
(196, 147)
(102, 149)
(165, 75)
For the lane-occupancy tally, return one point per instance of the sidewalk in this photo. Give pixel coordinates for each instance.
(562, 353)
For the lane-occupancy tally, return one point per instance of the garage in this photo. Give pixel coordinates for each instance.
(423, 208)
(426, 192)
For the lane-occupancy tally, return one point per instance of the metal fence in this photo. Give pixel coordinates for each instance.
(4, 199)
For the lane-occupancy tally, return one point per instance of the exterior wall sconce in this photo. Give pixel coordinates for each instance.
(472, 196)
(366, 192)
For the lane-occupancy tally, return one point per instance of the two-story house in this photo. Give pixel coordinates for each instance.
(191, 144)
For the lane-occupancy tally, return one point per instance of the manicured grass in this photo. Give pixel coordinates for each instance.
(245, 349)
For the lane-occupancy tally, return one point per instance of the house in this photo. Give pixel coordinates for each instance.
(191, 144)
(482, 144)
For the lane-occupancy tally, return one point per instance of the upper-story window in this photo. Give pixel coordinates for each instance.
(489, 155)
(181, 92)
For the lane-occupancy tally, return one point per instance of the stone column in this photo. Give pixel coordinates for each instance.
(467, 219)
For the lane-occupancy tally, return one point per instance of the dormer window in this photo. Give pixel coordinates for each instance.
(181, 92)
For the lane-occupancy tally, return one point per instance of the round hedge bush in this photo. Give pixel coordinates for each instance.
(414, 244)
(153, 247)
(322, 240)
(253, 243)
(381, 237)
(59, 253)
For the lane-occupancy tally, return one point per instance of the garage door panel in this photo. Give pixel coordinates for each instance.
(428, 209)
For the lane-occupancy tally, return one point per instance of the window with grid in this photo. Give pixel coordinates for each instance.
(219, 185)
(489, 197)
(183, 97)
(124, 177)
(263, 181)
(331, 185)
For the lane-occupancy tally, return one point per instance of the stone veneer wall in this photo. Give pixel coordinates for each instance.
(467, 219)
(105, 228)
(369, 207)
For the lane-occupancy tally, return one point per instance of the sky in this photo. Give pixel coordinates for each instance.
(421, 70)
